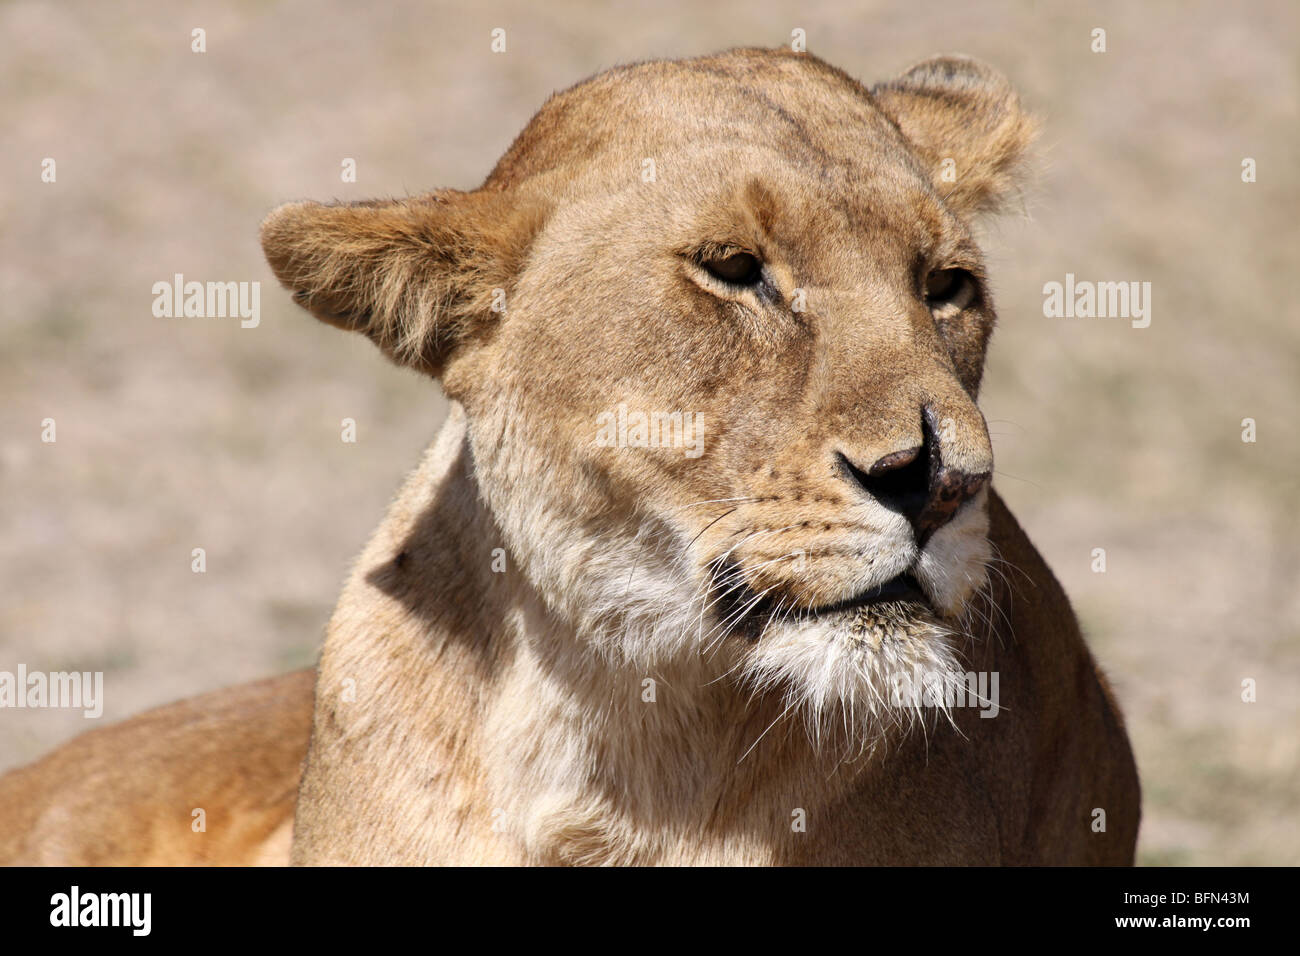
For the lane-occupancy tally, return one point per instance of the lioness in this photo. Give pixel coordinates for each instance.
(705, 566)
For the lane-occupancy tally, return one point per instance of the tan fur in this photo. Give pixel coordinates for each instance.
(125, 795)
(482, 694)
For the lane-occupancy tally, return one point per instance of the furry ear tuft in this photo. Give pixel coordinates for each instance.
(417, 276)
(957, 109)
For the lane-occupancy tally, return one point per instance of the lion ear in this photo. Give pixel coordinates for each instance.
(418, 276)
(965, 121)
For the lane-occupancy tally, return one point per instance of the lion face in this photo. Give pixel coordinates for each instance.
(718, 327)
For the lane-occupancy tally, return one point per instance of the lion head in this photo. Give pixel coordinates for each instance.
(718, 328)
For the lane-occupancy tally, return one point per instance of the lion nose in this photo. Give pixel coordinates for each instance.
(915, 483)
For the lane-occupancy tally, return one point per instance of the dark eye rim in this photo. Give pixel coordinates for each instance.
(742, 269)
(961, 289)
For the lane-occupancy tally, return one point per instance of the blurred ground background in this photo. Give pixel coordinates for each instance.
(175, 433)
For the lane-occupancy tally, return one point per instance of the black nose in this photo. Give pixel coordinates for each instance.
(915, 483)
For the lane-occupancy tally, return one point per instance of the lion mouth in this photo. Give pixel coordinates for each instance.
(746, 615)
(902, 589)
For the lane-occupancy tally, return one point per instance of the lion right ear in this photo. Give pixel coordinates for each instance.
(965, 122)
(417, 276)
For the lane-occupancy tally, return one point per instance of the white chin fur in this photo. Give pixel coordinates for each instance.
(850, 672)
(858, 672)
(839, 674)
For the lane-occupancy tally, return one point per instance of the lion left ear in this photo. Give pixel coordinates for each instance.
(964, 119)
(420, 277)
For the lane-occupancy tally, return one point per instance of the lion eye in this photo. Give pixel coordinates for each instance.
(953, 288)
(739, 268)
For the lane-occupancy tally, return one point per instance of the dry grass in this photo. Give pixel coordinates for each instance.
(175, 434)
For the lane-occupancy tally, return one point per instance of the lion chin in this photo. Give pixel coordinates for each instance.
(849, 676)
(858, 675)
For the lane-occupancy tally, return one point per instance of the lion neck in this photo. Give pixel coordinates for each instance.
(576, 755)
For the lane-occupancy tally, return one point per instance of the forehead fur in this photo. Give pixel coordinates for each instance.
(794, 104)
